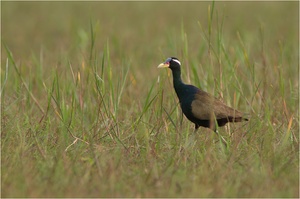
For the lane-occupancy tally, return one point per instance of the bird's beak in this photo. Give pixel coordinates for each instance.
(163, 65)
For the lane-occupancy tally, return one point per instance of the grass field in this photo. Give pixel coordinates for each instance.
(86, 113)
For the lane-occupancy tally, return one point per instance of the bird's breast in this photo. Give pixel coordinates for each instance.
(186, 104)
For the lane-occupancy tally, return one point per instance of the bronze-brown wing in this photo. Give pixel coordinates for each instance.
(202, 106)
(205, 107)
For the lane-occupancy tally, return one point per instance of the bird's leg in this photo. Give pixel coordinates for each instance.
(196, 128)
(190, 139)
(214, 126)
(220, 136)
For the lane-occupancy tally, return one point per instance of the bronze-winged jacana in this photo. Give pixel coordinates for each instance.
(198, 106)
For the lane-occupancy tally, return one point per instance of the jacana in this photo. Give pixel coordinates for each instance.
(198, 106)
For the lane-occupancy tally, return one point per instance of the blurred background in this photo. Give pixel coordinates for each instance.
(137, 30)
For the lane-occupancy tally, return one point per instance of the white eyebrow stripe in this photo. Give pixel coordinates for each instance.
(175, 60)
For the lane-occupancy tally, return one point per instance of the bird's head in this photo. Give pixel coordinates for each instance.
(171, 62)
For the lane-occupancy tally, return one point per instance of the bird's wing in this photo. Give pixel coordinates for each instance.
(223, 111)
(202, 106)
(206, 107)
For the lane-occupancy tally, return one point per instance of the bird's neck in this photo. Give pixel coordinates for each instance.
(177, 83)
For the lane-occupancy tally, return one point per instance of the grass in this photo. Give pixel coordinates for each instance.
(86, 113)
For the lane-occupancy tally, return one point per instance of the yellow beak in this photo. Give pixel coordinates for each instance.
(163, 65)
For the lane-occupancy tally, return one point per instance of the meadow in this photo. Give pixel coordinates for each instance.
(86, 113)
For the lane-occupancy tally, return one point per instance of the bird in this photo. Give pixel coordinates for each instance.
(200, 107)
